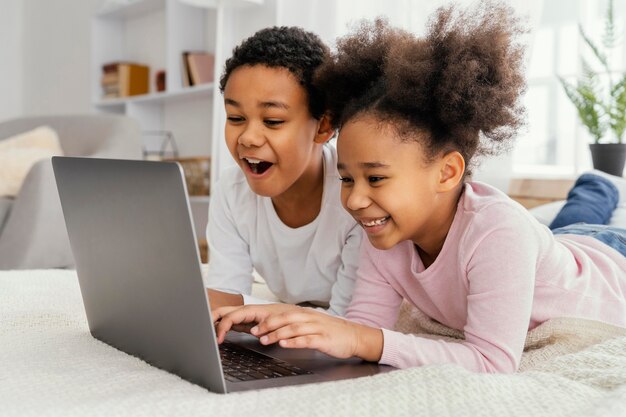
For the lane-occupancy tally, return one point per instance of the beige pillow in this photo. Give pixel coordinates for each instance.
(20, 152)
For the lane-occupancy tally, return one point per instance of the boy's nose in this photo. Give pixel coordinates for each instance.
(251, 137)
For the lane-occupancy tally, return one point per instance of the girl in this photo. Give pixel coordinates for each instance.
(279, 210)
(413, 115)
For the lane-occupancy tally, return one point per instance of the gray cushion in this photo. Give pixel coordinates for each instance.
(33, 236)
(5, 208)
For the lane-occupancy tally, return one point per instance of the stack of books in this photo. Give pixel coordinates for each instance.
(197, 68)
(124, 79)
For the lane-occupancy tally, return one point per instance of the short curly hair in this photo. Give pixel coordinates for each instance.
(460, 84)
(293, 48)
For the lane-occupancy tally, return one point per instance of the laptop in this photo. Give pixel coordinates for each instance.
(138, 266)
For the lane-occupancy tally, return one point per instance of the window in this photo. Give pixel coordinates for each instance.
(553, 143)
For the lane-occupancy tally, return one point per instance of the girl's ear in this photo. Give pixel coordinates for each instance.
(451, 172)
(325, 130)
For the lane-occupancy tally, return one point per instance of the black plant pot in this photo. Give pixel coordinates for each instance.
(609, 157)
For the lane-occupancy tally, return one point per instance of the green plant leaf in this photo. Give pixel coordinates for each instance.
(596, 51)
(617, 114)
(590, 77)
(588, 107)
(601, 105)
(609, 38)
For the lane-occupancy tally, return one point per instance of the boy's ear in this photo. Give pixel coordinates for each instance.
(325, 130)
(451, 172)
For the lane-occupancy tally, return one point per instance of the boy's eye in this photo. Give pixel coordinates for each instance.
(273, 122)
(375, 179)
(345, 180)
(235, 119)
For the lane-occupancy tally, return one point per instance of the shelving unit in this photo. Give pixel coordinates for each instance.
(200, 91)
(155, 33)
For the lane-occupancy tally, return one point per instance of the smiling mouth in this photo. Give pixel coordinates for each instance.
(257, 166)
(375, 222)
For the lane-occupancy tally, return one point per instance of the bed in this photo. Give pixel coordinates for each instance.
(50, 365)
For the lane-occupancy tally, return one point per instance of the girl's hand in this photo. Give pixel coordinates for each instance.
(242, 318)
(297, 327)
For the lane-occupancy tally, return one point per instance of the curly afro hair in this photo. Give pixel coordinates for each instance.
(299, 51)
(460, 84)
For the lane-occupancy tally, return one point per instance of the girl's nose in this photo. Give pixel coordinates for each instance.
(356, 198)
(251, 137)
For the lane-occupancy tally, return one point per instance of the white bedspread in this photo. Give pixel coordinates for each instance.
(50, 365)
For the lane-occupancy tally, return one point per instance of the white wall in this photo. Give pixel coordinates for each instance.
(11, 12)
(45, 53)
(56, 55)
(317, 16)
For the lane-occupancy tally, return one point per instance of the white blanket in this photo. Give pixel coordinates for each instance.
(50, 365)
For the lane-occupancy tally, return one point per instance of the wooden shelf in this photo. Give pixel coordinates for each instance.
(135, 8)
(204, 90)
(131, 9)
(213, 4)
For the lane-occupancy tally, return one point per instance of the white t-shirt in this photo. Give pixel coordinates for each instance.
(314, 263)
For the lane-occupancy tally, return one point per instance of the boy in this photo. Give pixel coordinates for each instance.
(279, 211)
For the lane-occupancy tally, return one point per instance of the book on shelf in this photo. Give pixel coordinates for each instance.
(124, 79)
(184, 70)
(198, 68)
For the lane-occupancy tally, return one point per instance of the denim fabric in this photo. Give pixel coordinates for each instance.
(612, 236)
(591, 200)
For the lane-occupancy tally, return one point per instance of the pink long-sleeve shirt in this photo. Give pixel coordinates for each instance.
(499, 274)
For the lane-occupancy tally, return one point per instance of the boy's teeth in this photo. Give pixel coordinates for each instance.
(253, 161)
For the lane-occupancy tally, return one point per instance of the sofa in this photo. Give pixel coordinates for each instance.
(32, 228)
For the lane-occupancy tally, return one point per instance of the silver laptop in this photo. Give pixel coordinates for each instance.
(138, 266)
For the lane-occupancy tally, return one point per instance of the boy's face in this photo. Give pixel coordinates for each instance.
(269, 130)
(386, 184)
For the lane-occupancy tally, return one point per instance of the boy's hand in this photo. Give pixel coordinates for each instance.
(220, 299)
(297, 327)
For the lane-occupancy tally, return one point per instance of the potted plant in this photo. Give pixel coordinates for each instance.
(601, 104)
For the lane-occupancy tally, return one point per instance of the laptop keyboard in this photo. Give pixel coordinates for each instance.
(240, 364)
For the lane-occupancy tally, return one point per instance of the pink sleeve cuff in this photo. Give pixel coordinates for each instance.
(391, 351)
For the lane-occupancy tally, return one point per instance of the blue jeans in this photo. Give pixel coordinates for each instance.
(590, 204)
(612, 236)
(591, 200)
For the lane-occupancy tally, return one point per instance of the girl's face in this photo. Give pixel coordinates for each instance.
(388, 187)
(269, 130)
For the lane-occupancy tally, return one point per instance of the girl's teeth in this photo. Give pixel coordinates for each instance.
(375, 222)
(253, 161)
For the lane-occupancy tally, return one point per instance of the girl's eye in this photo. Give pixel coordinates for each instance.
(376, 179)
(345, 180)
(273, 122)
(235, 119)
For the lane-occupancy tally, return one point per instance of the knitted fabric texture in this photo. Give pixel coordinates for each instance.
(50, 365)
